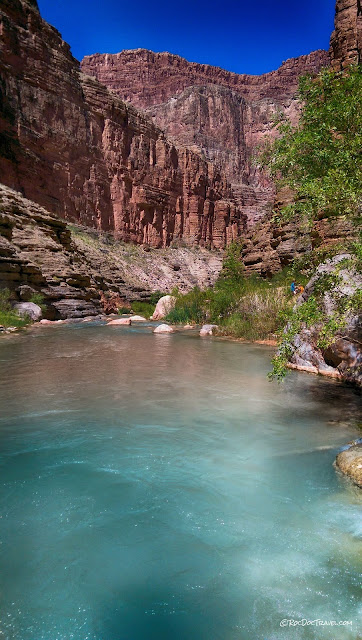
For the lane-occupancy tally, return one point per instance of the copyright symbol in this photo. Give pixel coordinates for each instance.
(284, 623)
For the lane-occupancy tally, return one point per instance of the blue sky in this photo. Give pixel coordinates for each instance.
(242, 36)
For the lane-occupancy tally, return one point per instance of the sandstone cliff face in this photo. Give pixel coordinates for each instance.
(346, 39)
(221, 114)
(79, 272)
(146, 78)
(78, 150)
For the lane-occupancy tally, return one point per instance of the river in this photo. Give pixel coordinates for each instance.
(158, 487)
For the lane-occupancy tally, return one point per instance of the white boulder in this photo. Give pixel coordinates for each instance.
(138, 319)
(163, 307)
(207, 329)
(29, 309)
(164, 328)
(126, 321)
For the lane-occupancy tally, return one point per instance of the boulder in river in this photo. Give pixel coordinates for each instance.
(207, 329)
(138, 319)
(126, 321)
(349, 462)
(164, 328)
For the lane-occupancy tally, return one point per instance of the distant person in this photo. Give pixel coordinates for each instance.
(293, 288)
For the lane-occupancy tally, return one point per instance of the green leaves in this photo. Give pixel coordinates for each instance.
(321, 157)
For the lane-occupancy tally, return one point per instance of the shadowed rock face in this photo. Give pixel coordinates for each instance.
(78, 150)
(221, 114)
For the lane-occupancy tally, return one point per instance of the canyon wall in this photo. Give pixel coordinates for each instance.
(221, 114)
(74, 147)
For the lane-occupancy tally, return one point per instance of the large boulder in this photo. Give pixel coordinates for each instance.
(29, 309)
(163, 307)
(349, 462)
(164, 328)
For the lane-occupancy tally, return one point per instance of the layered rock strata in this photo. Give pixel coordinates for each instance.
(78, 150)
(80, 273)
(221, 114)
(224, 115)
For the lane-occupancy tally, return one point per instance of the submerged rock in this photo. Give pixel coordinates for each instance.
(208, 329)
(163, 307)
(29, 309)
(126, 321)
(164, 328)
(349, 462)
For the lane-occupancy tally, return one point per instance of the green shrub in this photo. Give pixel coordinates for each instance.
(319, 158)
(155, 296)
(143, 308)
(259, 315)
(122, 310)
(190, 307)
(38, 298)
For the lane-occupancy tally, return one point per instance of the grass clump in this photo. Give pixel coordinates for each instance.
(243, 307)
(145, 309)
(8, 316)
(259, 314)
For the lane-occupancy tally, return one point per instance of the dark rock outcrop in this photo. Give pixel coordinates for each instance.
(346, 39)
(69, 144)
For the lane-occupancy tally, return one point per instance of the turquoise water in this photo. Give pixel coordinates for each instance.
(158, 487)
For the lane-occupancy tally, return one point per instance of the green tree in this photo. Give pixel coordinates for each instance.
(320, 158)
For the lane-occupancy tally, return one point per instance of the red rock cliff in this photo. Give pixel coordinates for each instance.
(75, 148)
(224, 115)
(346, 39)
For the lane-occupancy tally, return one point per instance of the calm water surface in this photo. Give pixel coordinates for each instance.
(158, 487)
